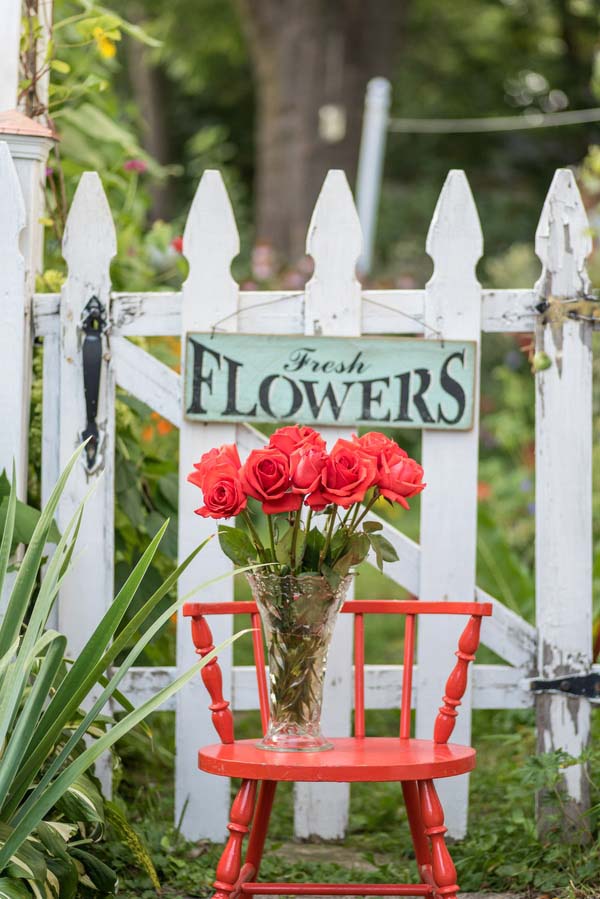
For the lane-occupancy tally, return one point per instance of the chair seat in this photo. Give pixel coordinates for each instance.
(351, 760)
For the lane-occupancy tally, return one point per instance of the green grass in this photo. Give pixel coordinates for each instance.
(501, 851)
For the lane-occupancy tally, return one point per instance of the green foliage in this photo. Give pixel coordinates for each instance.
(50, 809)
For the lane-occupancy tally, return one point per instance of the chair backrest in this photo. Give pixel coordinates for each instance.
(455, 686)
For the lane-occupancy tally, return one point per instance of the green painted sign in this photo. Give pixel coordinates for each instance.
(401, 382)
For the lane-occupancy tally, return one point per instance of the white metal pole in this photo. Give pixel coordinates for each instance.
(370, 164)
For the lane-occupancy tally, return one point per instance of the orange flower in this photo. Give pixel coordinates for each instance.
(147, 433)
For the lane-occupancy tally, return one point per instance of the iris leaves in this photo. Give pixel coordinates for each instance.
(43, 759)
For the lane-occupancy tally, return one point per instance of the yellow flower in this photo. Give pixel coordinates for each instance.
(106, 46)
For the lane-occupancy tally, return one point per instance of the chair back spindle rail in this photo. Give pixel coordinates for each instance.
(359, 675)
(407, 675)
(261, 672)
(212, 678)
(456, 684)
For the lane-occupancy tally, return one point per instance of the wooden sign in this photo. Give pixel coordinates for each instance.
(405, 383)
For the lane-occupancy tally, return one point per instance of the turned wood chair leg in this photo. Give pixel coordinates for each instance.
(230, 863)
(444, 872)
(260, 824)
(410, 791)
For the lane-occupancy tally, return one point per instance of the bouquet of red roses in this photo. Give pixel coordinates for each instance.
(295, 474)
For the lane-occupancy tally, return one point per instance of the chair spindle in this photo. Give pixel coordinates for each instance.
(407, 674)
(259, 664)
(359, 675)
(222, 717)
(457, 682)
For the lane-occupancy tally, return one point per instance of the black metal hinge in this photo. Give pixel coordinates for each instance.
(93, 325)
(585, 685)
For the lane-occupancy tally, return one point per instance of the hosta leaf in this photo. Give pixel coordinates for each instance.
(12, 888)
(101, 876)
(24, 861)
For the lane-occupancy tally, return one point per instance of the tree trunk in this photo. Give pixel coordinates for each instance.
(312, 60)
(147, 84)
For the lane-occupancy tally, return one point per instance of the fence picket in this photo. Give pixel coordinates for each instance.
(15, 331)
(563, 442)
(333, 307)
(89, 245)
(210, 243)
(449, 505)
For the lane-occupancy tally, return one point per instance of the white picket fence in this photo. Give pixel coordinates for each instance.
(442, 567)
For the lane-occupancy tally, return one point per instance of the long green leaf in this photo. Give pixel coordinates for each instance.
(101, 701)
(22, 734)
(9, 527)
(26, 578)
(16, 676)
(81, 677)
(87, 758)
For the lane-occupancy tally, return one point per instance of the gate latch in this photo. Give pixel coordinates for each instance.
(585, 685)
(93, 325)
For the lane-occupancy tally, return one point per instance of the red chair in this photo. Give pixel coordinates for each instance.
(414, 763)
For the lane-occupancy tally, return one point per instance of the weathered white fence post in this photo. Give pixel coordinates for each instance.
(332, 308)
(14, 330)
(210, 243)
(370, 164)
(563, 441)
(448, 538)
(89, 245)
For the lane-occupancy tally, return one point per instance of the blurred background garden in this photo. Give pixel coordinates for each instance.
(150, 94)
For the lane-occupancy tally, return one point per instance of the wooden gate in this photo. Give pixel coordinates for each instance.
(442, 567)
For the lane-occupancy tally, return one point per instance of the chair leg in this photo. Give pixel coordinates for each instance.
(258, 834)
(230, 863)
(444, 872)
(410, 791)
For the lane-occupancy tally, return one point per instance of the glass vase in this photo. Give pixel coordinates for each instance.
(298, 613)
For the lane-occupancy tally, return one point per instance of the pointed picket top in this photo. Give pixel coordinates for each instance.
(562, 240)
(210, 238)
(334, 240)
(90, 240)
(454, 239)
(12, 206)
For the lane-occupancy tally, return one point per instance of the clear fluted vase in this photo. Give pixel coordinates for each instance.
(298, 615)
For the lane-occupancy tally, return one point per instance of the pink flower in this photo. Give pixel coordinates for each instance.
(135, 165)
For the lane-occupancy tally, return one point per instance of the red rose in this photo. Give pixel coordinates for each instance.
(266, 476)
(222, 491)
(292, 437)
(346, 477)
(226, 454)
(400, 478)
(379, 446)
(306, 465)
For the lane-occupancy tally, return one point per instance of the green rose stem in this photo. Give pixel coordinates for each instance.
(358, 520)
(254, 534)
(329, 534)
(295, 539)
(271, 536)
